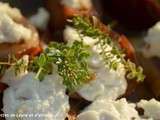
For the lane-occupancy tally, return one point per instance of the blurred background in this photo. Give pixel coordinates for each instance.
(131, 14)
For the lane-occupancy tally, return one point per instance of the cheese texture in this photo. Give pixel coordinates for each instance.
(151, 108)
(152, 40)
(12, 12)
(107, 83)
(10, 30)
(42, 100)
(103, 109)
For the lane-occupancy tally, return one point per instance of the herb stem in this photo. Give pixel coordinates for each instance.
(39, 72)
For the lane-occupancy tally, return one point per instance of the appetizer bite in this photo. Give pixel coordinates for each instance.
(17, 36)
(90, 64)
(88, 76)
(107, 62)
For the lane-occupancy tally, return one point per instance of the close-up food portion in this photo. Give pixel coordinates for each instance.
(17, 35)
(63, 63)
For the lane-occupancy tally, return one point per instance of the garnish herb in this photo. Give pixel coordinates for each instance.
(21, 65)
(71, 62)
(42, 65)
(133, 71)
(85, 28)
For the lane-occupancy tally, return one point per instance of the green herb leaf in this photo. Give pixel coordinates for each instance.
(134, 72)
(41, 65)
(85, 28)
(21, 65)
(71, 62)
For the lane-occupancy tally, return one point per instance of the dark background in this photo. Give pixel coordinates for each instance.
(27, 7)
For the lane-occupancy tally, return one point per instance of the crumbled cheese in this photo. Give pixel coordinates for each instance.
(70, 35)
(31, 97)
(152, 40)
(40, 19)
(151, 108)
(107, 83)
(77, 4)
(103, 109)
(10, 31)
(12, 12)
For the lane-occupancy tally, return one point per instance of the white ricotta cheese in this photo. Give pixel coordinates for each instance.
(40, 19)
(10, 31)
(31, 97)
(151, 108)
(77, 4)
(152, 40)
(12, 12)
(108, 83)
(70, 35)
(103, 109)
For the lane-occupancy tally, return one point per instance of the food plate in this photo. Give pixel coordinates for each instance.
(59, 61)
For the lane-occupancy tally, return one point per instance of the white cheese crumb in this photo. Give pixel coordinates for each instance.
(107, 84)
(10, 31)
(103, 109)
(70, 35)
(77, 4)
(12, 12)
(151, 108)
(152, 40)
(31, 96)
(40, 19)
